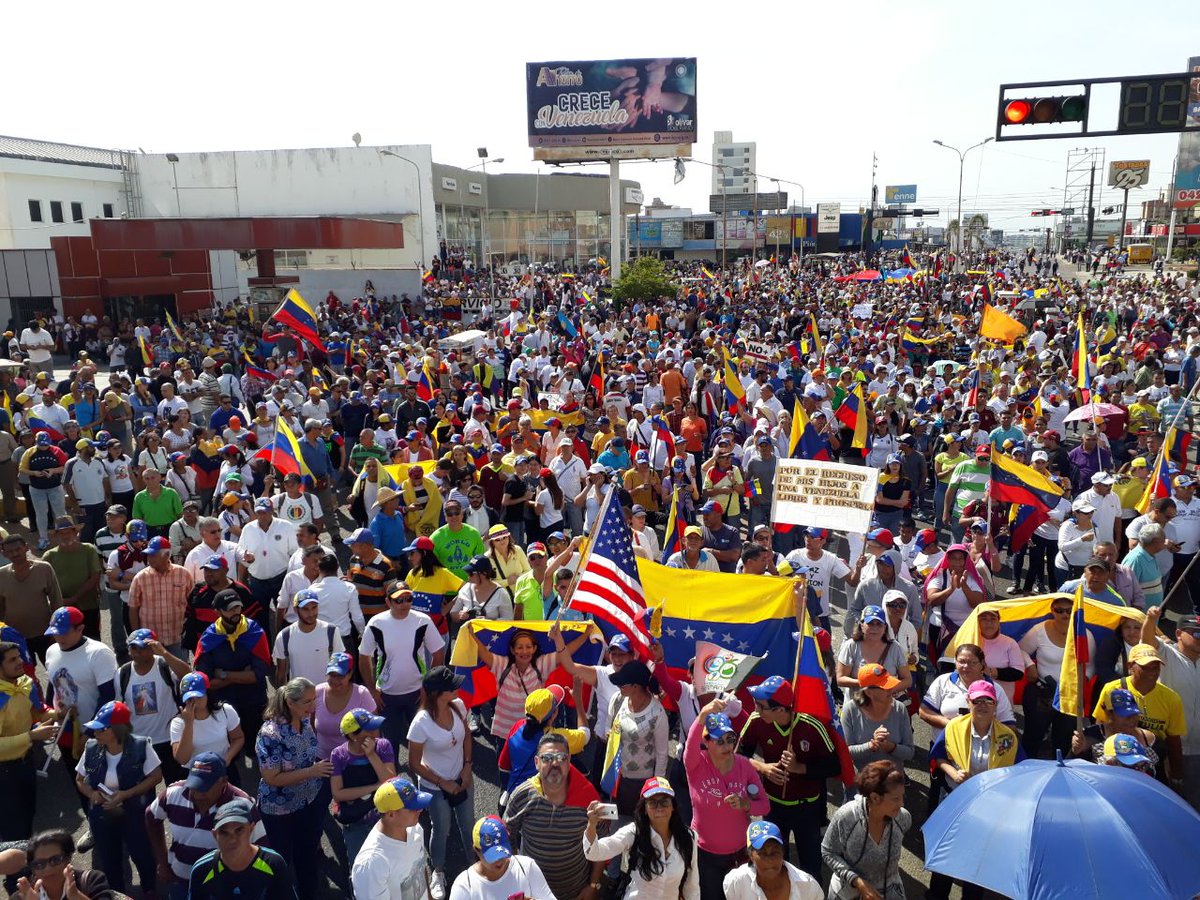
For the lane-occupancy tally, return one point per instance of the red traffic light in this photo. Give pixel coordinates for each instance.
(1016, 112)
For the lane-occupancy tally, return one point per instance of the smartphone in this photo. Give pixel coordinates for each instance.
(608, 811)
(109, 792)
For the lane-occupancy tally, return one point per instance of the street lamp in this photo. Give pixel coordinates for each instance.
(420, 205)
(779, 181)
(173, 159)
(487, 215)
(962, 155)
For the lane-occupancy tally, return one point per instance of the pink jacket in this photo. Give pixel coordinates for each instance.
(719, 827)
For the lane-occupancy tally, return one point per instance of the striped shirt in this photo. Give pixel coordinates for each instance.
(551, 835)
(191, 831)
(161, 601)
(514, 687)
(969, 480)
(371, 578)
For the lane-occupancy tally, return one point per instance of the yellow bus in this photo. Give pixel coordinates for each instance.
(1140, 253)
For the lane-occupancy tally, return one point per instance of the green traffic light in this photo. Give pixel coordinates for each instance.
(1073, 109)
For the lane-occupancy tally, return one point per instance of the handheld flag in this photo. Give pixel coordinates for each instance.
(676, 523)
(568, 326)
(1076, 655)
(804, 442)
(663, 433)
(735, 394)
(318, 380)
(912, 343)
(998, 325)
(816, 335)
(1014, 482)
(1081, 365)
(256, 371)
(147, 357)
(906, 260)
(596, 381)
(175, 328)
(812, 696)
(853, 414)
(718, 669)
(295, 313)
(283, 452)
(1159, 484)
(425, 383)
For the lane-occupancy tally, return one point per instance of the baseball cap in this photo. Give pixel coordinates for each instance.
(1190, 624)
(400, 793)
(1082, 505)
(1043, 456)
(264, 504)
(216, 563)
(693, 529)
(542, 703)
(881, 536)
(712, 506)
(717, 725)
(656, 784)
(1139, 463)
(887, 558)
(873, 613)
(421, 543)
(63, 619)
(117, 509)
(340, 663)
(43, 439)
(141, 637)
(227, 599)
(362, 536)
(205, 771)
(620, 642)
(1184, 481)
(441, 679)
(875, 675)
(981, 688)
(633, 672)
(1106, 478)
(305, 597)
(537, 548)
(490, 837)
(775, 689)
(762, 831)
(136, 530)
(1125, 749)
(813, 532)
(983, 450)
(925, 537)
(114, 712)
(192, 685)
(238, 811)
(157, 545)
(1144, 653)
(360, 720)
(1121, 702)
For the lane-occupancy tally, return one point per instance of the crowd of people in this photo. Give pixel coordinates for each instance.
(239, 559)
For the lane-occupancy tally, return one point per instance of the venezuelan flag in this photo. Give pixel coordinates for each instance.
(906, 260)
(676, 523)
(596, 381)
(283, 452)
(912, 343)
(745, 613)
(295, 313)
(804, 442)
(539, 417)
(663, 434)
(1014, 482)
(853, 414)
(38, 425)
(735, 394)
(1023, 521)
(568, 326)
(754, 488)
(425, 385)
(1081, 365)
(399, 473)
(147, 356)
(174, 328)
(318, 380)
(480, 684)
(1159, 484)
(6, 402)
(813, 696)
(1076, 655)
(707, 274)
(816, 335)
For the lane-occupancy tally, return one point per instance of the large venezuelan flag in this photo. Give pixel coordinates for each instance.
(295, 313)
(283, 452)
(1014, 482)
(745, 613)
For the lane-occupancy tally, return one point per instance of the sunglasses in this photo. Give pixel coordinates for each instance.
(982, 701)
(401, 599)
(660, 801)
(897, 605)
(728, 740)
(454, 512)
(1061, 610)
(60, 859)
(553, 758)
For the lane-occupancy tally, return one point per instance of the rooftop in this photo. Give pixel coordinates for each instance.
(48, 151)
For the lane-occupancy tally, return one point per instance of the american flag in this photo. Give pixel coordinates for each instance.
(609, 588)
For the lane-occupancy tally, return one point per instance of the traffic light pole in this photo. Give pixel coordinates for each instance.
(1091, 215)
(1124, 215)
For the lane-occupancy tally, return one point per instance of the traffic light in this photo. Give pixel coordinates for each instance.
(1044, 110)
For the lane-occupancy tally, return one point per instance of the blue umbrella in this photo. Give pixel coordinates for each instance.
(1041, 830)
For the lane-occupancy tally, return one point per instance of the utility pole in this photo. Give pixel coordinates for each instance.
(1091, 212)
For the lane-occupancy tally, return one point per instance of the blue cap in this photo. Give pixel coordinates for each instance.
(136, 530)
(491, 839)
(114, 712)
(362, 536)
(216, 563)
(620, 642)
(63, 620)
(762, 831)
(360, 720)
(43, 439)
(717, 725)
(193, 685)
(775, 688)
(710, 507)
(141, 637)
(157, 545)
(305, 597)
(1121, 702)
(497, 448)
(874, 613)
(340, 663)
(205, 771)
(400, 793)
(1126, 749)
(813, 532)
(895, 458)
(556, 535)
(979, 526)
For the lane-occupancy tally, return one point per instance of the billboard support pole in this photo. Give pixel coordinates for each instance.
(615, 219)
(1170, 235)
(1124, 216)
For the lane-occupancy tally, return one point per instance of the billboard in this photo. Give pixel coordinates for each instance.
(1186, 191)
(900, 193)
(1126, 174)
(829, 218)
(616, 108)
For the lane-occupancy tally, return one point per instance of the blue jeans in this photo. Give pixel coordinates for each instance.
(939, 501)
(889, 519)
(398, 712)
(355, 835)
(440, 813)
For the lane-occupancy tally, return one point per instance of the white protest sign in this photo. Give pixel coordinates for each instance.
(861, 311)
(758, 351)
(824, 494)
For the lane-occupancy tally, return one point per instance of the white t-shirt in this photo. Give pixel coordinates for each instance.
(948, 697)
(152, 702)
(304, 510)
(442, 749)
(386, 868)
(76, 676)
(1048, 655)
(824, 570)
(110, 775)
(37, 346)
(114, 568)
(396, 640)
(522, 878)
(496, 605)
(199, 555)
(119, 479)
(211, 734)
(308, 654)
(605, 690)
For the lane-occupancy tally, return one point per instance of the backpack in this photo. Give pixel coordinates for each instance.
(286, 635)
(125, 675)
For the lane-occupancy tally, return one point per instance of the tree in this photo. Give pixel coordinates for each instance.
(642, 280)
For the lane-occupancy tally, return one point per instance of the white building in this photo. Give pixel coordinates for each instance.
(733, 164)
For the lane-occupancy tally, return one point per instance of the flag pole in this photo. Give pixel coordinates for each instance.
(584, 558)
(801, 588)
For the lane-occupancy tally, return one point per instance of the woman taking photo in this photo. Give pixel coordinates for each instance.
(876, 725)
(507, 558)
(359, 766)
(591, 495)
(336, 697)
(205, 725)
(725, 791)
(637, 713)
(548, 505)
(117, 775)
(293, 794)
(661, 859)
(871, 643)
(768, 875)
(892, 494)
(439, 752)
(863, 842)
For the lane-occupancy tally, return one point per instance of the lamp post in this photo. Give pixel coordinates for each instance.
(420, 206)
(779, 181)
(962, 155)
(487, 215)
(173, 159)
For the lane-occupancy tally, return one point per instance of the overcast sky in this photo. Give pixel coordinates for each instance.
(819, 86)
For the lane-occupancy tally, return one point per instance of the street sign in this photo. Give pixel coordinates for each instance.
(1127, 174)
(900, 193)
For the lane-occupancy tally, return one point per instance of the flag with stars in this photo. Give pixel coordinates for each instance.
(609, 587)
(752, 614)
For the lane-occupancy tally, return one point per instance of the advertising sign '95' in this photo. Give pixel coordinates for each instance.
(624, 108)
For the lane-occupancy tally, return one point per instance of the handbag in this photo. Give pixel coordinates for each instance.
(615, 888)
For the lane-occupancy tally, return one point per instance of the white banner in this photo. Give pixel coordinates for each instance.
(758, 351)
(861, 311)
(829, 218)
(824, 494)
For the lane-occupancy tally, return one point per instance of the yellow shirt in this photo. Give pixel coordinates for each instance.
(1162, 708)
